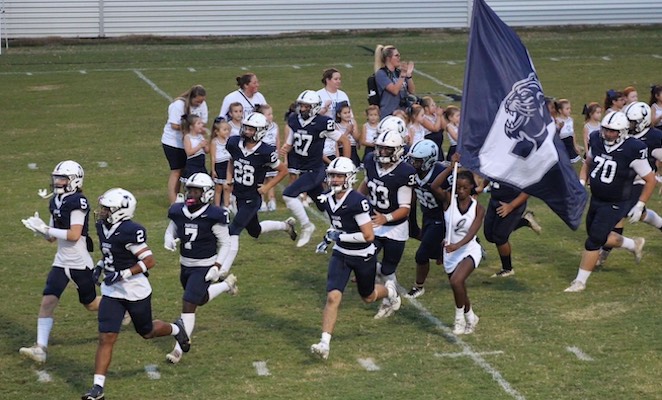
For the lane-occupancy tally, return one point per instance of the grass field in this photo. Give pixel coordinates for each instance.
(91, 101)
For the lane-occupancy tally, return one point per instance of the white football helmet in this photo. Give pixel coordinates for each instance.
(423, 154)
(615, 121)
(72, 172)
(117, 205)
(311, 98)
(639, 115)
(388, 147)
(392, 124)
(204, 182)
(257, 121)
(341, 166)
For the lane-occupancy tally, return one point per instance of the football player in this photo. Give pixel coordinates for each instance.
(250, 160)
(612, 162)
(125, 287)
(307, 131)
(388, 184)
(423, 157)
(352, 234)
(69, 227)
(202, 230)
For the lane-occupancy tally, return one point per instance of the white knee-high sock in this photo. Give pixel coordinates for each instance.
(652, 218)
(232, 253)
(296, 206)
(270, 226)
(44, 326)
(217, 288)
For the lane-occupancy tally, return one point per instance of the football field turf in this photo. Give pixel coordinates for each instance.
(104, 104)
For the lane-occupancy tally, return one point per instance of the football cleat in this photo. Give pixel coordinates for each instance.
(321, 350)
(306, 233)
(263, 207)
(575, 286)
(395, 301)
(231, 281)
(174, 357)
(639, 243)
(529, 216)
(471, 325)
(460, 326)
(127, 319)
(96, 393)
(35, 352)
(503, 273)
(182, 337)
(415, 292)
(271, 205)
(290, 227)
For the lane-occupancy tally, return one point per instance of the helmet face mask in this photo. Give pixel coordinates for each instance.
(639, 115)
(199, 190)
(341, 174)
(67, 177)
(116, 205)
(308, 104)
(253, 127)
(614, 128)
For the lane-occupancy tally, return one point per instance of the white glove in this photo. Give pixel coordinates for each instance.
(636, 211)
(213, 274)
(170, 243)
(43, 193)
(36, 224)
(321, 247)
(323, 197)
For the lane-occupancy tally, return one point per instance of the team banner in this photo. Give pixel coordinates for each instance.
(506, 131)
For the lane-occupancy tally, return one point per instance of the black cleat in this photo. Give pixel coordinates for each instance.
(182, 337)
(96, 393)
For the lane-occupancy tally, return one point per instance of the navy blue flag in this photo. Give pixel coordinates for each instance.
(506, 131)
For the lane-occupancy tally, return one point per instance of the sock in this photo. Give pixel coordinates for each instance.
(270, 226)
(628, 244)
(582, 275)
(459, 312)
(217, 288)
(326, 337)
(99, 380)
(226, 264)
(651, 218)
(44, 326)
(506, 263)
(175, 330)
(296, 206)
(391, 292)
(189, 324)
(469, 315)
(391, 277)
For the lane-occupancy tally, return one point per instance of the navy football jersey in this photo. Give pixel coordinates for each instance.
(653, 140)
(61, 212)
(430, 207)
(114, 242)
(342, 216)
(250, 167)
(501, 191)
(609, 172)
(383, 185)
(308, 141)
(195, 230)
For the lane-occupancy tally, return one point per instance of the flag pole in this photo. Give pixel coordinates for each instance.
(452, 204)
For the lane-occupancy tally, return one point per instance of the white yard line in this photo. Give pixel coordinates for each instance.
(465, 354)
(152, 85)
(191, 69)
(261, 368)
(579, 353)
(368, 364)
(467, 350)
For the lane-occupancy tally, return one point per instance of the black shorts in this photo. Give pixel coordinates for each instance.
(111, 313)
(57, 281)
(342, 265)
(176, 157)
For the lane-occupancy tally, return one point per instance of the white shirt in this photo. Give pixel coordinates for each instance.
(568, 128)
(459, 229)
(272, 134)
(222, 153)
(73, 255)
(239, 96)
(171, 136)
(338, 97)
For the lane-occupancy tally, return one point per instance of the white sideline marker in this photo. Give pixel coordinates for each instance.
(243, 69)
(261, 368)
(191, 69)
(102, 164)
(152, 372)
(606, 58)
(451, 62)
(296, 67)
(657, 56)
(466, 349)
(82, 72)
(348, 66)
(579, 353)
(28, 73)
(43, 376)
(368, 364)
(465, 354)
(554, 59)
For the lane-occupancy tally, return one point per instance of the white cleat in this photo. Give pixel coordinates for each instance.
(530, 217)
(263, 207)
(639, 243)
(471, 326)
(290, 228)
(306, 234)
(35, 352)
(174, 357)
(231, 281)
(395, 301)
(460, 326)
(271, 205)
(127, 319)
(575, 286)
(321, 350)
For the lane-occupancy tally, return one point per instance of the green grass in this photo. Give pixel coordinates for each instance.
(51, 111)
